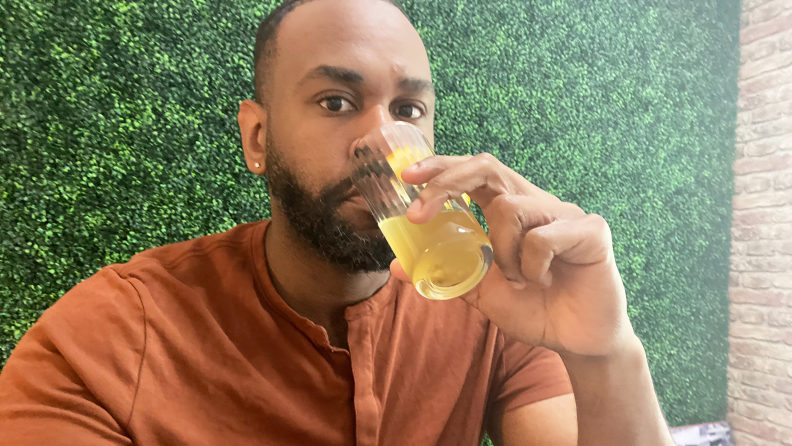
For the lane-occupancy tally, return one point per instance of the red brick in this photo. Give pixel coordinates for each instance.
(760, 49)
(734, 279)
(745, 233)
(769, 366)
(757, 280)
(758, 85)
(734, 375)
(755, 32)
(745, 439)
(774, 111)
(782, 180)
(768, 64)
(770, 199)
(760, 396)
(741, 331)
(761, 248)
(781, 417)
(746, 102)
(766, 12)
(768, 298)
(748, 315)
(780, 319)
(760, 264)
(753, 217)
(783, 215)
(752, 411)
(748, 5)
(783, 281)
(783, 385)
(767, 146)
(744, 118)
(769, 129)
(746, 347)
(785, 434)
(758, 429)
(776, 231)
(785, 42)
(770, 163)
(752, 183)
(762, 349)
(734, 390)
(745, 19)
(763, 82)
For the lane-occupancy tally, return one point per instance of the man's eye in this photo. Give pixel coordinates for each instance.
(336, 104)
(409, 112)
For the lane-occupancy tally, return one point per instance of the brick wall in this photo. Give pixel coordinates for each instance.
(760, 362)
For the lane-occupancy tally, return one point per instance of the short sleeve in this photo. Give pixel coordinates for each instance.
(72, 378)
(526, 375)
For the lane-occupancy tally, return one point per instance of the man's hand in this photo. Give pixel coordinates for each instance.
(555, 281)
(554, 284)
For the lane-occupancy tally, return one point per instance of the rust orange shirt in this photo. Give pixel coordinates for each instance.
(189, 344)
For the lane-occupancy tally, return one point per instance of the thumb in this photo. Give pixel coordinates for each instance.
(398, 272)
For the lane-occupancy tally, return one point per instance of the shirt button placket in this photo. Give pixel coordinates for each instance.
(362, 355)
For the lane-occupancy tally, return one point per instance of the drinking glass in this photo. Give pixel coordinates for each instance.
(444, 257)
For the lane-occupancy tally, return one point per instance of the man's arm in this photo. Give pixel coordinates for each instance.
(616, 401)
(547, 423)
(72, 378)
(43, 401)
(616, 405)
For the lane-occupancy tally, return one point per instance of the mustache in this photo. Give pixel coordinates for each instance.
(333, 196)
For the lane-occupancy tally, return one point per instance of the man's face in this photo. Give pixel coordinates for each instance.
(343, 68)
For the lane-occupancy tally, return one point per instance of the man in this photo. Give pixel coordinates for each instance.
(293, 331)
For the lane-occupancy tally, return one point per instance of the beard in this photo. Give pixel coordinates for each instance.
(317, 221)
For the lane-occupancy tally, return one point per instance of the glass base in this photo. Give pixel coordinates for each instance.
(436, 290)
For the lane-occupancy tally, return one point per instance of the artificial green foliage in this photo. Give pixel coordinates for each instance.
(118, 133)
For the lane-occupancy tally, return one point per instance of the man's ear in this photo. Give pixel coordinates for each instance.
(253, 126)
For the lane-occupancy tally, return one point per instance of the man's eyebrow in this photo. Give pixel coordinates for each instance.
(416, 85)
(338, 74)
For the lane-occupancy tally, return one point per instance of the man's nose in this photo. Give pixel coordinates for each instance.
(375, 118)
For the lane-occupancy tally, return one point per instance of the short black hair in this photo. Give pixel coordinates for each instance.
(265, 43)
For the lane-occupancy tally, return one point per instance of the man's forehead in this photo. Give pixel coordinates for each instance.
(350, 33)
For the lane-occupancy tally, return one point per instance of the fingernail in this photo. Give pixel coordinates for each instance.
(410, 168)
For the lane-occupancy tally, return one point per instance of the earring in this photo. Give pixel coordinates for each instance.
(257, 165)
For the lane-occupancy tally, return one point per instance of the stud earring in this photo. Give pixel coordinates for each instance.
(258, 165)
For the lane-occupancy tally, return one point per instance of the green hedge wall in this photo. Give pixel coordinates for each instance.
(118, 133)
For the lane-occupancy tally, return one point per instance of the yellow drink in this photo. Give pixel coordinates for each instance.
(445, 257)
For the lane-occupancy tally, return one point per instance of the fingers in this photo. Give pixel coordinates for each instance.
(529, 228)
(511, 217)
(581, 241)
(398, 271)
(483, 177)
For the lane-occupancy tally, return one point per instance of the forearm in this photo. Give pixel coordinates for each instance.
(616, 401)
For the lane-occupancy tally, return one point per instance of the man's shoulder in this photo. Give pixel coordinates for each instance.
(189, 257)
